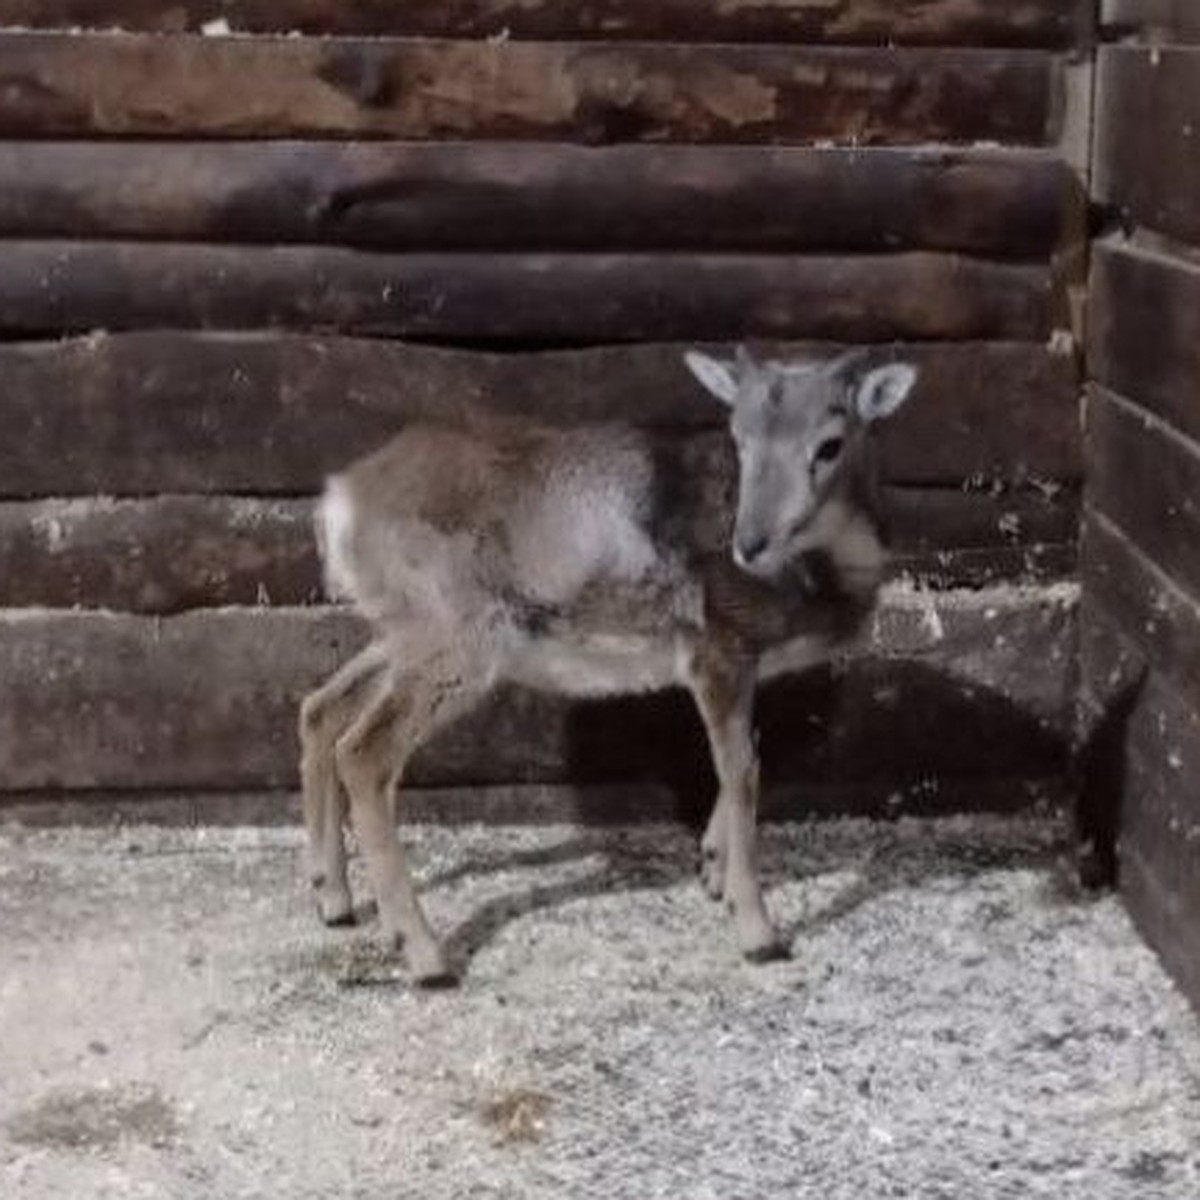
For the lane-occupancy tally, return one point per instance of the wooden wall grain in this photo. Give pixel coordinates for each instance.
(882, 22)
(1141, 572)
(231, 263)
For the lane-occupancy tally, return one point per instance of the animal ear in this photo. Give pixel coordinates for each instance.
(881, 391)
(718, 376)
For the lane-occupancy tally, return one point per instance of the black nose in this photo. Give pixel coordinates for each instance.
(752, 548)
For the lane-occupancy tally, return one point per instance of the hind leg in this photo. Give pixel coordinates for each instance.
(325, 715)
(406, 707)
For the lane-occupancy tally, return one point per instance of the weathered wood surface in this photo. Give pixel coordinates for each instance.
(81, 286)
(172, 553)
(208, 700)
(963, 22)
(1010, 203)
(146, 413)
(1160, 836)
(1158, 846)
(1154, 611)
(946, 538)
(1168, 18)
(1147, 160)
(1146, 479)
(1144, 317)
(175, 86)
(1165, 913)
(157, 556)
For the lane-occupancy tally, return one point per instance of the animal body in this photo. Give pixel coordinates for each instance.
(597, 560)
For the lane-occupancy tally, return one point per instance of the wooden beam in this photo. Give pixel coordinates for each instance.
(1143, 317)
(1150, 608)
(1158, 872)
(882, 22)
(172, 553)
(1157, 18)
(1160, 835)
(947, 538)
(49, 287)
(1152, 768)
(1147, 160)
(537, 197)
(176, 86)
(208, 700)
(147, 413)
(160, 556)
(636, 802)
(1146, 479)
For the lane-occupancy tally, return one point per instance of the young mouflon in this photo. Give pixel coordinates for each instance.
(595, 560)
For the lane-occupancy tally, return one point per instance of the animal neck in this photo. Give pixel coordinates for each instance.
(849, 539)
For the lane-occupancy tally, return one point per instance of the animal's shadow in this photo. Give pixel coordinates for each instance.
(877, 866)
(881, 738)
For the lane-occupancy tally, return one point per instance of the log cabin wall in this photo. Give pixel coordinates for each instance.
(1141, 561)
(234, 258)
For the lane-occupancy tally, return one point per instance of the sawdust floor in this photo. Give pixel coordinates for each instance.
(173, 1022)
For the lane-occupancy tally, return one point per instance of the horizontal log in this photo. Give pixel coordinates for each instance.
(81, 286)
(962, 22)
(208, 700)
(176, 86)
(947, 538)
(1147, 158)
(173, 553)
(1143, 318)
(1162, 18)
(1146, 479)
(157, 556)
(536, 197)
(146, 413)
(586, 805)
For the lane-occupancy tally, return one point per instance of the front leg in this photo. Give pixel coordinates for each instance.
(722, 682)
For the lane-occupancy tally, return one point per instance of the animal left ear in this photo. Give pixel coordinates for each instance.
(718, 375)
(881, 391)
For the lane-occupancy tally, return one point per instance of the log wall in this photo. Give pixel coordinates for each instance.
(235, 258)
(1141, 571)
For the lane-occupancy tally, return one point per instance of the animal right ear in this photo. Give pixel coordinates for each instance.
(718, 377)
(880, 392)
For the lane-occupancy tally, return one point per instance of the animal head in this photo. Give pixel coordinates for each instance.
(799, 428)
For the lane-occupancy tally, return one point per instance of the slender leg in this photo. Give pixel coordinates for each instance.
(324, 716)
(404, 709)
(713, 851)
(722, 683)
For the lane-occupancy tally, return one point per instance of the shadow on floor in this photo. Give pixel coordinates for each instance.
(631, 865)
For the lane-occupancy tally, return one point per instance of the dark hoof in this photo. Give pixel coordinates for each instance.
(441, 982)
(773, 952)
(712, 877)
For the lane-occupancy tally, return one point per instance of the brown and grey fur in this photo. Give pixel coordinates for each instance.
(592, 561)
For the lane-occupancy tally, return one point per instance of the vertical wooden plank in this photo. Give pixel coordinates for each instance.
(1148, 137)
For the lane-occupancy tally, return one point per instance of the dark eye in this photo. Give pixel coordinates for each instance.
(828, 450)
